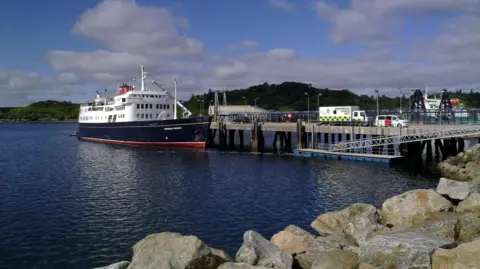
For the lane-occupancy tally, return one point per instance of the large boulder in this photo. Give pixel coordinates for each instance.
(358, 221)
(464, 256)
(316, 248)
(337, 259)
(173, 251)
(323, 244)
(463, 167)
(293, 239)
(403, 250)
(258, 251)
(222, 254)
(235, 265)
(470, 205)
(414, 207)
(303, 261)
(468, 228)
(444, 224)
(118, 265)
(456, 190)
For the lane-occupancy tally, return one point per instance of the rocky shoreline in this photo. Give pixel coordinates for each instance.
(422, 228)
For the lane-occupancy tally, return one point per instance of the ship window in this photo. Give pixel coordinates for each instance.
(168, 106)
(138, 115)
(151, 106)
(142, 116)
(156, 116)
(151, 116)
(138, 106)
(142, 106)
(151, 96)
(123, 100)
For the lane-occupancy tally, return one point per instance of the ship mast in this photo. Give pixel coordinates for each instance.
(144, 76)
(175, 102)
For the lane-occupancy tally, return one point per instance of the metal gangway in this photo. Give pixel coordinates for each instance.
(468, 130)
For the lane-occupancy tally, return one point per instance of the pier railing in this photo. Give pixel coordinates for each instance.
(468, 130)
(463, 116)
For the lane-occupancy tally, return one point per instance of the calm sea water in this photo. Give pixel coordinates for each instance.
(65, 203)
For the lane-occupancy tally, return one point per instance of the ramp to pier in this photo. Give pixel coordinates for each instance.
(464, 131)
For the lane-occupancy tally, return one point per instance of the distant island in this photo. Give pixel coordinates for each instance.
(42, 111)
(287, 96)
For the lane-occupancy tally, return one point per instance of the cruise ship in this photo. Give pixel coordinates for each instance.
(141, 117)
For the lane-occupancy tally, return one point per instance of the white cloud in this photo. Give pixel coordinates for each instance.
(374, 21)
(250, 44)
(450, 58)
(123, 25)
(282, 4)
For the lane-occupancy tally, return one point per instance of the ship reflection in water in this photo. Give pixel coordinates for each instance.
(71, 204)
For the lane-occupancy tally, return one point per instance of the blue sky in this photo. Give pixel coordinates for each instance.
(77, 46)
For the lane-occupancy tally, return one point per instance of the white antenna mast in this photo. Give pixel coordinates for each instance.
(175, 101)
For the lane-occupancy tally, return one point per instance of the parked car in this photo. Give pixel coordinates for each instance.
(391, 120)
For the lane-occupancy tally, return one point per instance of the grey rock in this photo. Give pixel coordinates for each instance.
(456, 189)
(470, 205)
(297, 231)
(464, 256)
(358, 221)
(173, 251)
(468, 228)
(402, 250)
(293, 239)
(118, 265)
(444, 224)
(337, 259)
(222, 254)
(239, 265)
(414, 207)
(463, 167)
(258, 251)
(303, 261)
(323, 244)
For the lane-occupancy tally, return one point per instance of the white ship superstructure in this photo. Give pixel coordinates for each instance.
(130, 104)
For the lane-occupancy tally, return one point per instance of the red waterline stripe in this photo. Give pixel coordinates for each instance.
(165, 144)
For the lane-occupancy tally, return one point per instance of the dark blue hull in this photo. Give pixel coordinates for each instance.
(191, 132)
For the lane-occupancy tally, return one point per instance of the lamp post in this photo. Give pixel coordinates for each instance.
(245, 98)
(308, 106)
(401, 97)
(377, 102)
(255, 101)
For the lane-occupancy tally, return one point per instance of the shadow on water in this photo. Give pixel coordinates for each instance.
(67, 203)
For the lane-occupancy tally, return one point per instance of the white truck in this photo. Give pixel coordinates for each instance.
(342, 115)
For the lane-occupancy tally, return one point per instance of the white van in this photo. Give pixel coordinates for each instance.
(391, 120)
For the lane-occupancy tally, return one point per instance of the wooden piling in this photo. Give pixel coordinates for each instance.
(240, 134)
(288, 143)
(300, 134)
(254, 137)
(429, 156)
(231, 136)
(461, 145)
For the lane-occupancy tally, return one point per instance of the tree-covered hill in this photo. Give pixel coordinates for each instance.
(291, 96)
(42, 111)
